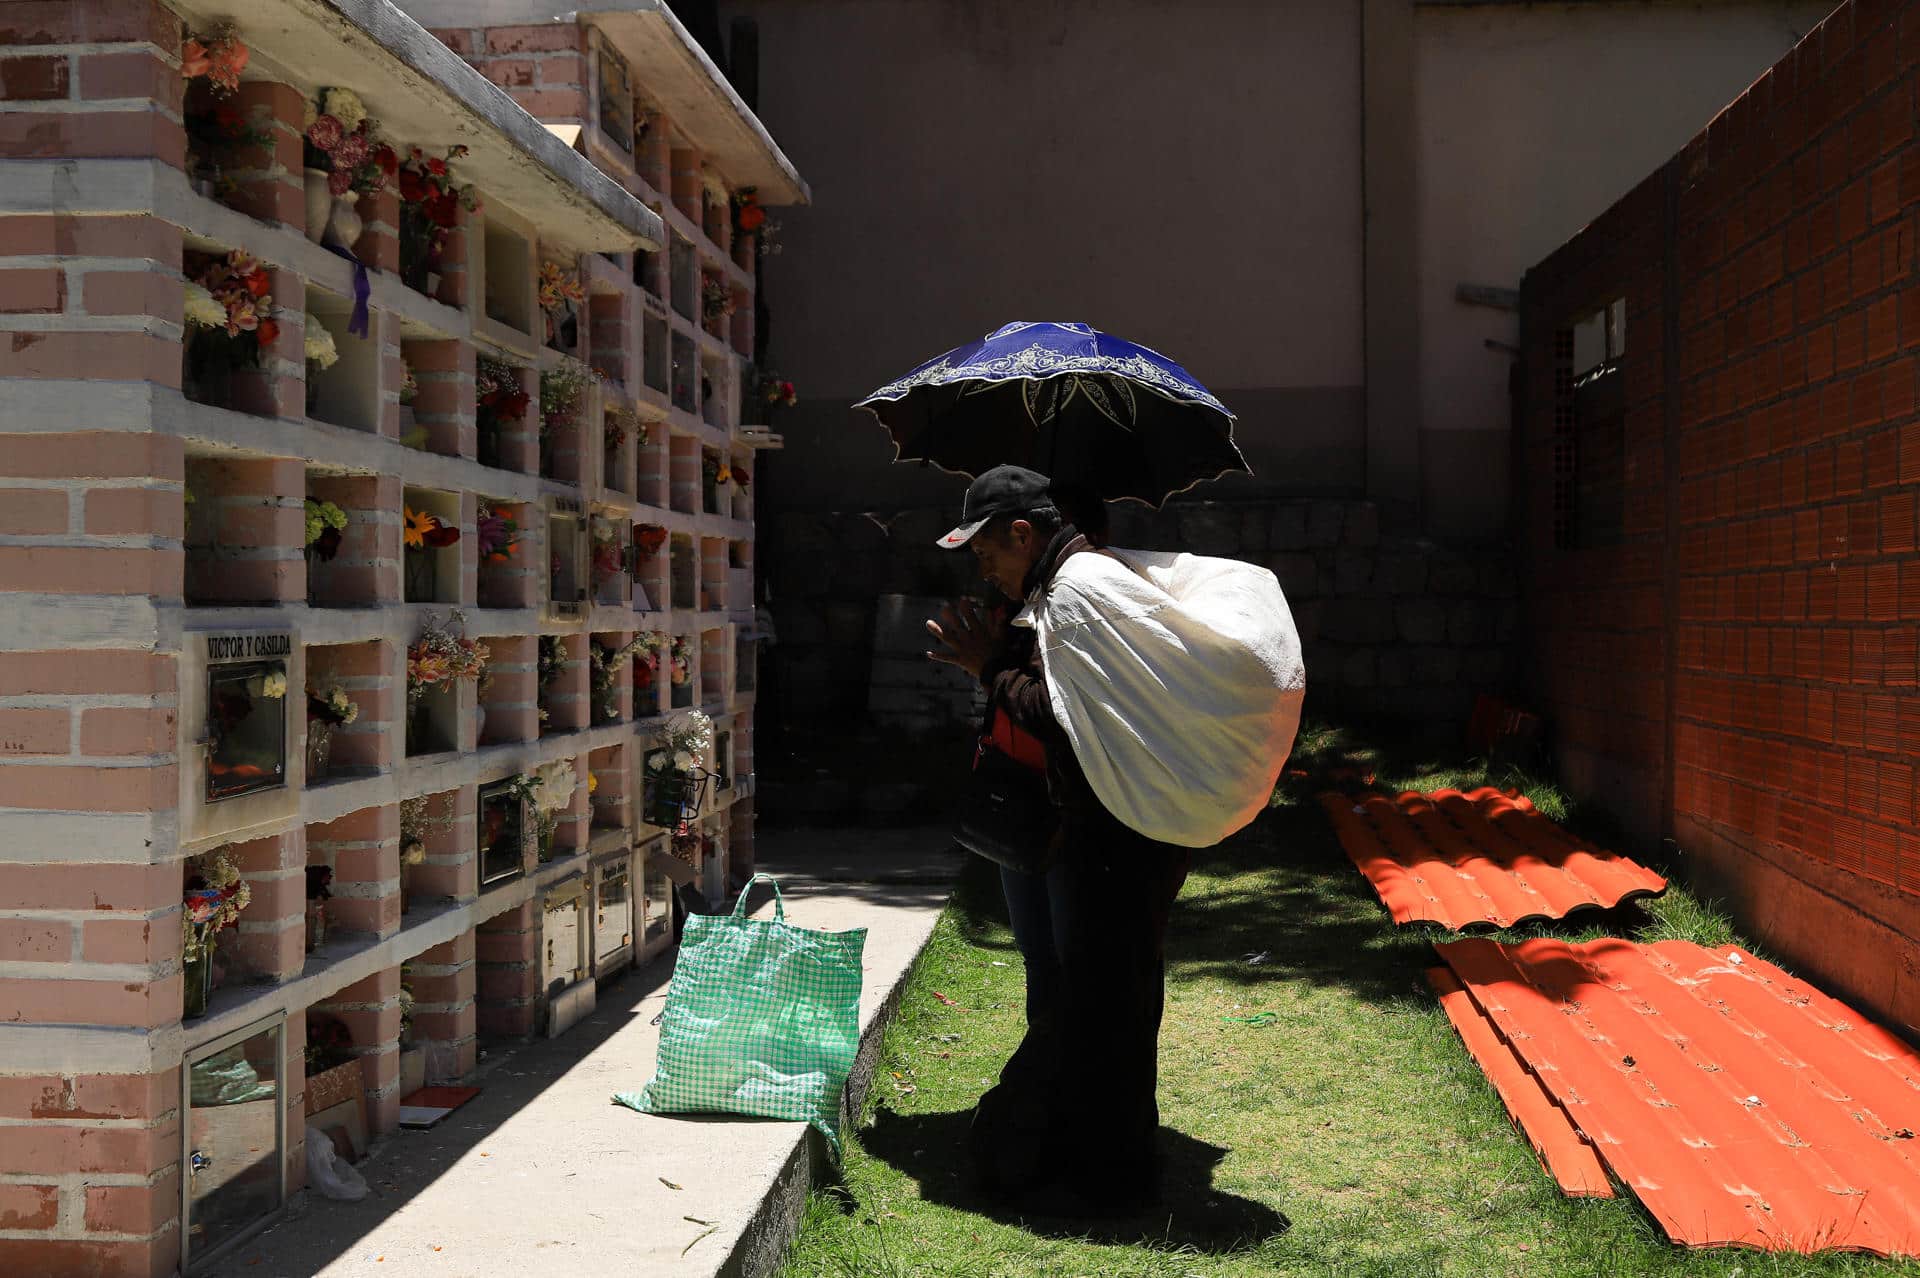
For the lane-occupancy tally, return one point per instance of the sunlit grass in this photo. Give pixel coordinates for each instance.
(1352, 1138)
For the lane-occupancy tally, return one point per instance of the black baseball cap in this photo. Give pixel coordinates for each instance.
(1004, 490)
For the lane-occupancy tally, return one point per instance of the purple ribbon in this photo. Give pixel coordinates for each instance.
(357, 322)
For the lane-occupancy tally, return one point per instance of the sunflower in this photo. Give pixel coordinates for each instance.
(419, 524)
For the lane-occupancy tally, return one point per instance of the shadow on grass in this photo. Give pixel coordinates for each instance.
(1190, 1215)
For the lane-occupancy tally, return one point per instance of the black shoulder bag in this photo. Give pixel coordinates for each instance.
(1006, 814)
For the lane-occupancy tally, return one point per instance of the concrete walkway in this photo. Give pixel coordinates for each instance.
(542, 1174)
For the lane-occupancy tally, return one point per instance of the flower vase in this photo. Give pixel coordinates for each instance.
(343, 224)
(319, 749)
(422, 575)
(316, 925)
(319, 203)
(199, 982)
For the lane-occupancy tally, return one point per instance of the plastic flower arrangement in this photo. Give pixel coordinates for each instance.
(646, 652)
(647, 539)
(416, 823)
(409, 386)
(607, 664)
(326, 523)
(776, 391)
(440, 656)
(680, 660)
(501, 396)
(321, 351)
(334, 707)
(610, 554)
(716, 467)
(214, 897)
(621, 421)
(684, 741)
(551, 660)
(716, 297)
(548, 790)
(424, 531)
(342, 141)
(242, 287)
(749, 215)
(203, 309)
(498, 534)
(561, 389)
(273, 686)
(559, 288)
(219, 56)
(426, 182)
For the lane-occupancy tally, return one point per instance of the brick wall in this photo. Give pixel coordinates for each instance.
(1739, 668)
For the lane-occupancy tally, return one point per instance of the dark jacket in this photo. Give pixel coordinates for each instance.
(1017, 687)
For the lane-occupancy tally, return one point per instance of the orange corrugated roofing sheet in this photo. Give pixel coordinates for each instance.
(1483, 857)
(1557, 1143)
(1739, 1104)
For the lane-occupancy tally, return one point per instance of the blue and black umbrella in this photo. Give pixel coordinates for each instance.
(1065, 400)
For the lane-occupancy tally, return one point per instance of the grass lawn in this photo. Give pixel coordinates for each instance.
(1353, 1136)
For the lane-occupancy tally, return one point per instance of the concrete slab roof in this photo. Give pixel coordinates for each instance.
(428, 96)
(677, 73)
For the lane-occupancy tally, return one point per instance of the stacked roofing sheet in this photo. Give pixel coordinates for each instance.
(1480, 858)
(1740, 1105)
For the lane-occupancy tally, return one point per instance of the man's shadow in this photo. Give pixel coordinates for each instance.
(930, 1148)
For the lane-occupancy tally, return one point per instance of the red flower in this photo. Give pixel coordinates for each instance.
(437, 167)
(340, 181)
(752, 216)
(442, 535)
(228, 118)
(268, 331)
(194, 61)
(384, 157)
(352, 151)
(325, 132)
(413, 187)
(258, 283)
(443, 209)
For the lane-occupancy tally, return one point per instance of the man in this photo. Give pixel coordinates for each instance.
(1075, 1105)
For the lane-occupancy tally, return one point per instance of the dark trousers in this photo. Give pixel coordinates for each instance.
(1076, 1100)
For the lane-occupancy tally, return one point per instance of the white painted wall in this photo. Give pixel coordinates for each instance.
(1530, 121)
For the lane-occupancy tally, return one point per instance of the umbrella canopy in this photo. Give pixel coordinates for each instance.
(1067, 400)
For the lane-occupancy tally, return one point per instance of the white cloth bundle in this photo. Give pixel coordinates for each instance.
(1178, 678)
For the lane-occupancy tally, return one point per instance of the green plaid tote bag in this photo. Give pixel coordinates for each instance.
(762, 1018)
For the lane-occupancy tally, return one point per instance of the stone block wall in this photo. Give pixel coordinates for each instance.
(1391, 626)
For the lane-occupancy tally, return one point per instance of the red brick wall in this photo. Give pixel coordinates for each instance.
(1741, 670)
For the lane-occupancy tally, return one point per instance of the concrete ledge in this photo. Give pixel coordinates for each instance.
(545, 1169)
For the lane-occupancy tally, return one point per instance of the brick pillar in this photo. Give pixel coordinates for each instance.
(683, 474)
(444, 981)
(512, 699)
(610, 799)
(366, 569)
(713, 574)
(742, 322)
(453, 264)
(379, 243)
(364, 849)
(520, 444)
(685, 168)
(445, 404)
(515, 581)
(451, 870)
(610, 347)
(565, 699)
(508, 949)
(270, 943)
(247, 531)
(272, 180)
(370, 1009)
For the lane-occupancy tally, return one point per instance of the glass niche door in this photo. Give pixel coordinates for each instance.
(234, 1139)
